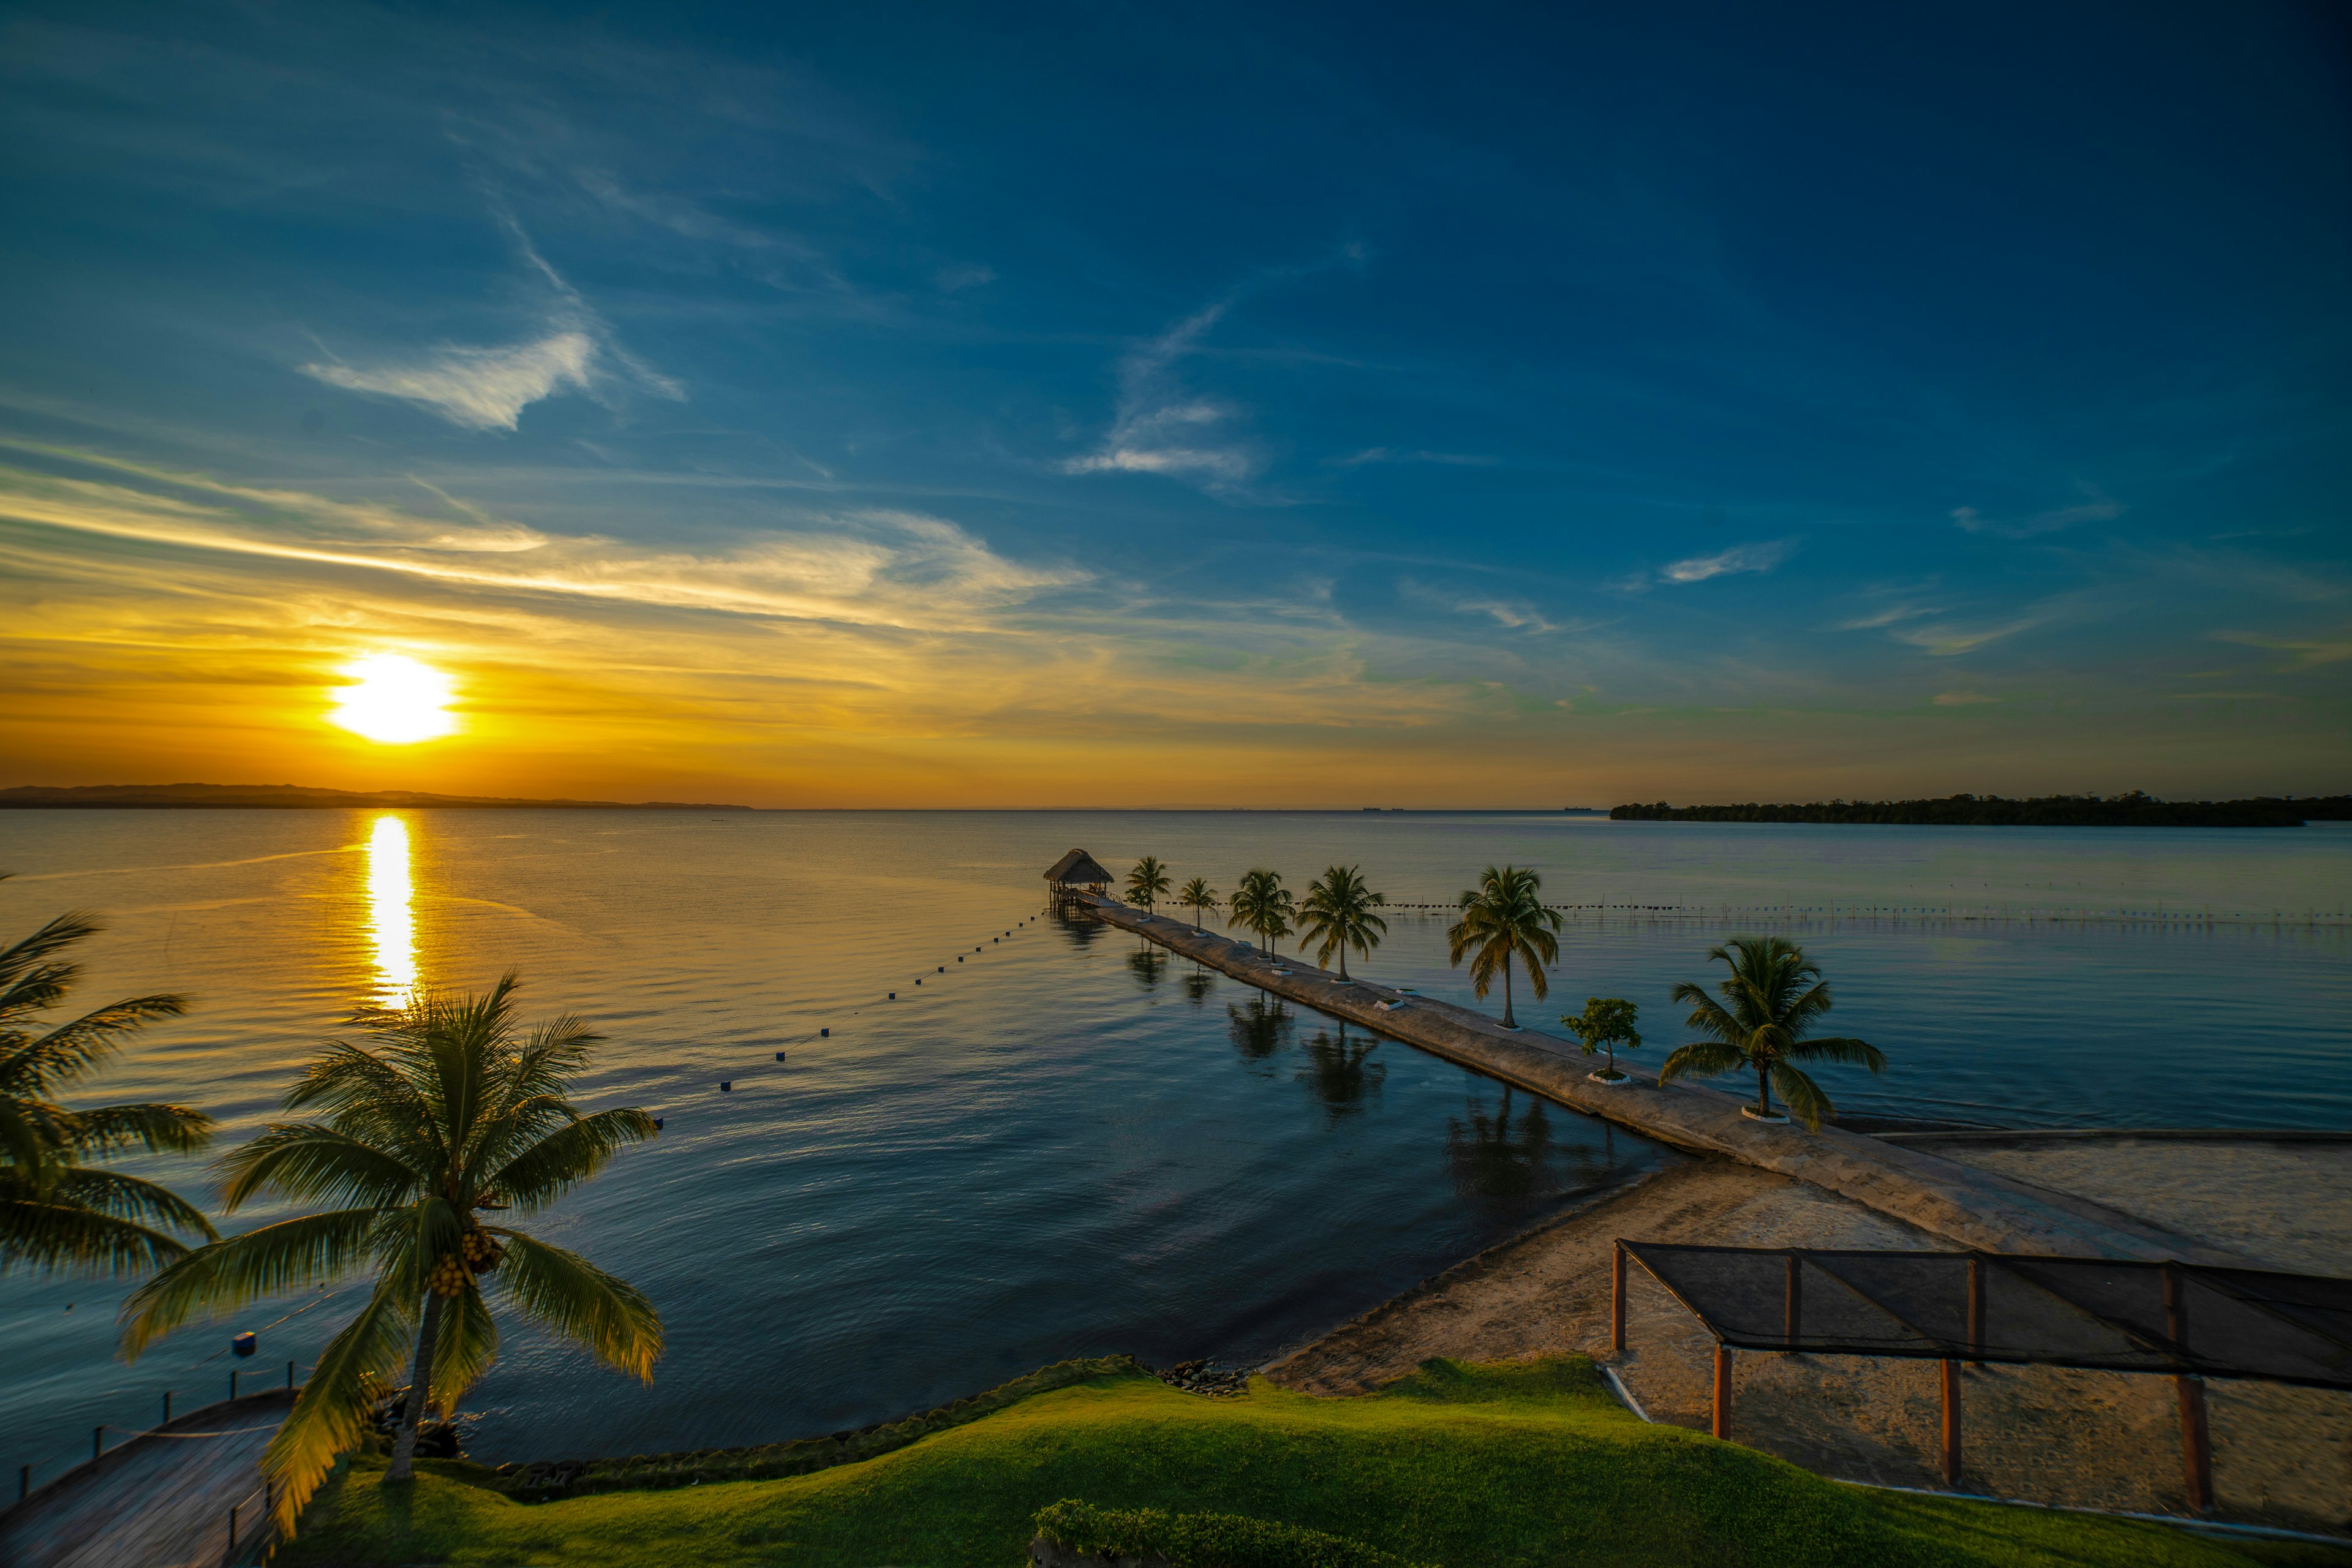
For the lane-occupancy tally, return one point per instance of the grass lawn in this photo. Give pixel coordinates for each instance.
(1469, 1466)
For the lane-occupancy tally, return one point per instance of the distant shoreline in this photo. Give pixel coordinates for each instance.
(2133, 810)
(185, 796)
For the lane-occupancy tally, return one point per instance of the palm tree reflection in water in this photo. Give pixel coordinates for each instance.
(1148, 962)
(1198, 984)
(1259, 1027)
(1340, 1073)
(1505, 1163)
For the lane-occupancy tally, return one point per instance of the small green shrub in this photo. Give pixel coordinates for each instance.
(1203, 1539)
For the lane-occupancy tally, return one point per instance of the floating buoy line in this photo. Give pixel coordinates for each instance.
(825, 1031)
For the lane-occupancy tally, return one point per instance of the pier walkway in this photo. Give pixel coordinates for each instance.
(165, 1498)
(1969, 1206)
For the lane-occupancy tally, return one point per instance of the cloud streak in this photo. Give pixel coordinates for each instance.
(1740, 559)
(477, 389)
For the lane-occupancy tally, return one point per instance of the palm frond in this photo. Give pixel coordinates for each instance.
(464, 1349)
(159, 1129)
(306, 1160)
(72, 1051)
(331, 1415)
(215, 1281)
(36, 1232)
(1707, 1015)
(565, 1294)
(1840, 1049)
(128, 1197)
(1802, 1096)
(29, 981)
(565, 1158)
(1703, 1058)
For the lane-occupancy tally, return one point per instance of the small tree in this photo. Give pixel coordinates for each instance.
(1606, 1021)
(1198, 895)
(1338, 915)
(1148, 883)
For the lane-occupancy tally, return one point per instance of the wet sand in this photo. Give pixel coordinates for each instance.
(2281, 1455)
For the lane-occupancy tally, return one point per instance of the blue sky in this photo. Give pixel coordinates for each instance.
(903, 405)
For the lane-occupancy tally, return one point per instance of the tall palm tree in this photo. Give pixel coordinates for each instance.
(1148, 883)
(1767, 1009)
(1198, 895)
(1262, 904)
(446, 1113)
(1503, 917)
(56, 1213)
(1338, 915)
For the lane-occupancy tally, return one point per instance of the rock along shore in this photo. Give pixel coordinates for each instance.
(1968, 1207)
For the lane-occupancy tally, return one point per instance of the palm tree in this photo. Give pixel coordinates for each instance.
(1148, 883)
(56, 1213)
(1766, 1009)
(1503, 918)
(1337, 914)
(443, 1115)
(1262, 904)
(1198, 895)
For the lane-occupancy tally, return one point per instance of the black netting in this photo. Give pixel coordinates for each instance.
(1978, 1305)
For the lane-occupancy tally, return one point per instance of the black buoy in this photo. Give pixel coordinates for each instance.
(657, 1123)
(919, 982)
(894, 995)
(780, 1056)
(243, 1344)
(824, 1034)
(944, 969)
(959, 958)
(725, 1085)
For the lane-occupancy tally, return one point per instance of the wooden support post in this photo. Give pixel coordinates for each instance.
(1617, 1301)
(1951, 1382)
(1977, 1309)
(289, 1374)
(1723, 1391)
(2196, 1442)
(23, 1482)
(230, 1554)
(1796, 1302)
(232, 1385)
(167, 1407)
(98, 1442)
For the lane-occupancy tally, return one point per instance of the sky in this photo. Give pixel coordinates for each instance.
(1263, 406)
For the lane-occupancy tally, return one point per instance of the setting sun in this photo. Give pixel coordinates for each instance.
(394, 700)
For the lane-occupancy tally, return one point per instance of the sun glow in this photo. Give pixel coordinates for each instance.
(394, 700)
(391, 920)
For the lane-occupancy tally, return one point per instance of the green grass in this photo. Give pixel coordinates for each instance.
(1471, 1467)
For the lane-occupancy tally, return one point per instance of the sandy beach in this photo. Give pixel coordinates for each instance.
(2282, 1455)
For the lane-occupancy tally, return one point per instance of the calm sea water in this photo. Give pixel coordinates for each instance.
(1066, 1144)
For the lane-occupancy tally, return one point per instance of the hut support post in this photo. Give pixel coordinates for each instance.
(1722, 1428)
(2196, 1438)
(1977, 1309)
(1617, 1301)
(1796, 1302)
(1951, 1387)
(2196, 1442)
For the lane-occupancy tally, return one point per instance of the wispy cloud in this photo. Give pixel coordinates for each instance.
(1762, 557)
(2304, 654)
(488, 388)
(2098, 508)
(1159, 429)
(1944, 639)
(1392, 454)
(1964, 698)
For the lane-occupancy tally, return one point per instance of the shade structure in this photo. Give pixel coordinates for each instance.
(1077, 869)
(2106, 1314)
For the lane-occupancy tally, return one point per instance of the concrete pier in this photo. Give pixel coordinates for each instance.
(1971, 1207)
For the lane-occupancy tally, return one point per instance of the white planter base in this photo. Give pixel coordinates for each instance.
(1606, 1082)
(1774, 1118)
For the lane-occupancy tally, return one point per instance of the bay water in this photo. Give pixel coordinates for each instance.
(1055, 1140)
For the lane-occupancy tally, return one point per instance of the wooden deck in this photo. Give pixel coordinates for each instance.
(160, 1500)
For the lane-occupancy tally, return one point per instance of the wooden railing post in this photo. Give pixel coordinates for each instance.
(1617, 1301)
(1977, 1309)
(1796, 1302)
(98, 1442)
(1951, 1386)
(1722, 1426)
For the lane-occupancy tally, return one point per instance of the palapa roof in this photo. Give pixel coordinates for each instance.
(1080, 869)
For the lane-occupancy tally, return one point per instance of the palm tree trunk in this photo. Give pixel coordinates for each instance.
(403, 1442)
(1509, 1023)
(1763, 1092)
(1343, 961)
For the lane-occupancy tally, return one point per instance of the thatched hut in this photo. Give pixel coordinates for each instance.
(1076, 872)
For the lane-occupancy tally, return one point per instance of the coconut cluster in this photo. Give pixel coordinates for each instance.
(478, 1253)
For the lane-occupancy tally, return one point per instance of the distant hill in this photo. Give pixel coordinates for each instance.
(2133, 810)
(152, 796)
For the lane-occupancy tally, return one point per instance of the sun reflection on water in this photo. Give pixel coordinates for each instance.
(389, 917)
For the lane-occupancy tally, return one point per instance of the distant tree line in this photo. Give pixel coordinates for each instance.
(2134, 810)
